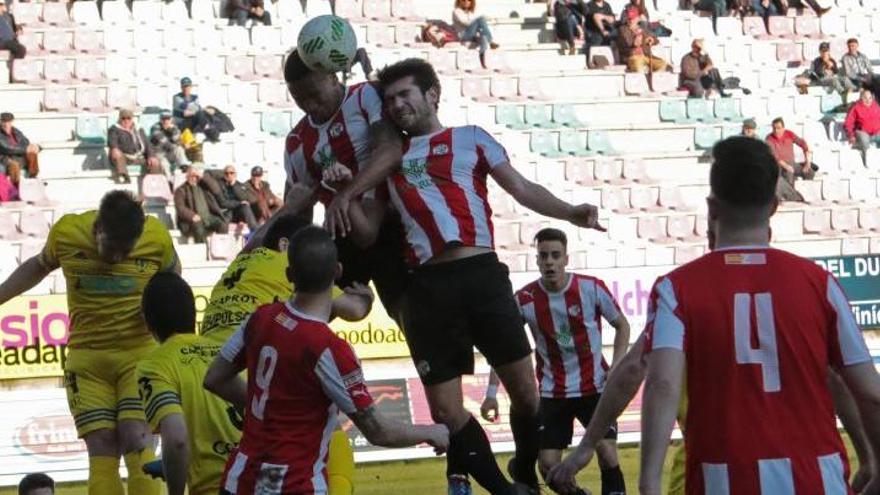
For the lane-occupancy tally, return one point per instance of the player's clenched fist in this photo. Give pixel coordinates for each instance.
(489, 410)
(586, 216)
(337, 173)
(438, 437)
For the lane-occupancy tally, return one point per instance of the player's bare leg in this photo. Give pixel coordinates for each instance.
(612, 477)
(518, 378)
(137, 448)
(103, 449)
(469, 450)
(548, 458)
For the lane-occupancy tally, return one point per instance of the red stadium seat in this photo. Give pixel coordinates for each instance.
(240, 67)
(617, 201)
(808, 26)
(644, 199)
(754, 26)
(580, 172)
(122, 96)
(155, 188)
(87, 70)
(26, 70)
(846, 220)
(273, 94)
(55, 13)
(33, 43)
(609, 170)
(57, 42)
(58, 100)
(634, 169)
(680, 226)
(381, 35)
(405, 10)
(8, 227)
(57, 70)
(223, 247)
(504, 88)
(531, 89)
(443, 61)
(88, 41)
(475, 89)
(27, 13)
(33, 223)
(817, 222)
(92, 99)
(780, 26)
(378, 10)
(268, 66)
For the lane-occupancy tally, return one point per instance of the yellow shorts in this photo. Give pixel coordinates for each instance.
(102, 387)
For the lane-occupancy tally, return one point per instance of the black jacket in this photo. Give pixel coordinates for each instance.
(17, 150)
(117, 137)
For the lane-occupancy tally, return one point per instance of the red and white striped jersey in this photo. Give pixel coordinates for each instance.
(345, 138)
(440, 190)
(759, 329)
(567, 329)
(300, 375)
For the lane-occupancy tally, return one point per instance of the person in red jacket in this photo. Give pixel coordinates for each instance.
(863, 122)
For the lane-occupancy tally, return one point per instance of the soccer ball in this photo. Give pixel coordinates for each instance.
(327, 43)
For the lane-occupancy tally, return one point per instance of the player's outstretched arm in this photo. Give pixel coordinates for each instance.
(538, 199)
(848, 412)
(489, 408)
(385, 432)
(659, 403)
(175, 452)
(222, 380)
(620, 389)
(621, 339)
(25, 277)
(366, 220)
(355, 304)
(864, 384)
(386, 149)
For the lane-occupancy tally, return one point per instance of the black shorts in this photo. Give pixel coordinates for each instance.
(452, 307)
(383, 263)
(557, 420)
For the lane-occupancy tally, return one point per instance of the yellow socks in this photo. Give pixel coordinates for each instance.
(138, 482)
(104, 476)
(340, 465)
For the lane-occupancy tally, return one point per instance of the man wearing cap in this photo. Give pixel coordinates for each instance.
(266, 202)
(750, 128)
(129, 146)
(16, 151)
(165, 139)
(187, 110)
(634, 45)
(698, 74)
(824, 72)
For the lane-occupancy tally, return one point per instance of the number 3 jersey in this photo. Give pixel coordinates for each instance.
(300, 375)
(759, 329)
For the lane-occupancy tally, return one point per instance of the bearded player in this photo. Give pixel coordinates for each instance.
(107, 257)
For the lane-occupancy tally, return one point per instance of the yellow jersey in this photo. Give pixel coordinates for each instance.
(104, 300)
(252, 280)
(170, 380)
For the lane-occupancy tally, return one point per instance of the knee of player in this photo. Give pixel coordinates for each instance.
(545, 465)
(524, 400)
(133, 435)
(102, 442)
(453, 416)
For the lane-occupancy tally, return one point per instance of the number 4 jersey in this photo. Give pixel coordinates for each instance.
(300, 375)
(759, 329)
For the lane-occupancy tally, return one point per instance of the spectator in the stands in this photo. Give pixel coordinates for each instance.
(17, 153)
(824, 72)
(634, 46)
(36, 484)
(716, 8)
(862, 123)
(129, 146)
(782, 141)
(9, 32)
(236, 198)
(198, 213)
(765, 8)
(240, 11)
(568, 24)
(165, 140)
(698, 74)
(750, 128)
(655, 28)
(784, 5)
(600, 25)
(266, 202)
(856, 67)
(472, 26)
(188, 112)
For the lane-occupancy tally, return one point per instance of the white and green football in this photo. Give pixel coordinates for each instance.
(327, 43)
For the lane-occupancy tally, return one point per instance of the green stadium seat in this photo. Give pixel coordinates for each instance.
(730, 130)
(673, 111)
(544, 143)
(725, 109)
(566, 115)
(537, 116)
(90, 130)
(510, 116)
(829, 103)
(698, 110)
(598, 142)
(705, 137)
(148, 120)
(573, 143)
(275, 123)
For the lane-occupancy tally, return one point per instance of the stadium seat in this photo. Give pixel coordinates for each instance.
(27, 13)
(698, 110)
(573, 143)
(643, 199)
(869, 219)
(608, 170)
(148, 120)
(57, 42)
(86, 69)
(531, 89)
(57, 70)
(177, 39)
(510, 116)
(155, 188)
(504, 88)
(353, 10)
(265, 38)
(240, 67)
(410, 35)
(9, 227)
(56, 14)
(686, 254)
(598, 142)
(381, 35)
(836, 191)
(780, 26)
(291, 13)
(565, 114)
(146, 12)
(33, 222)
(705, 137)
(830, 103)
(174, 11)
(405, 10)
(673, 111)
(634, 169)
(725, 109)
(88, 41)
(537, 116)
(788, 53)
(92, 99)
(728, 130)
(671, 198)
(666, 83)
(122, 96)
(476, 89)
(202, 11)
(377, 10)
(680, 226)
(116, 12)
(846, 220)
(580, 172)
(635, 84)
(545, 144)
(754, 26)
(443, 61)
(223, 246)
(90, 130)
(57, 99)
(33, 43)
(650, 229)
(602, 51)
(469, 61)
(268, 66)
(617, 201)
(26, 70)
(85, 13)
(273, 94)
(235, 39)
(808, 27)
(275, 123)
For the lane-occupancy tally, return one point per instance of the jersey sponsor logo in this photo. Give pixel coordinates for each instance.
(51, 436)
(564, 337)
(325, 158)
(745, 259)
(202, 353)
(336, 130)
(415, 170)
(101, 284)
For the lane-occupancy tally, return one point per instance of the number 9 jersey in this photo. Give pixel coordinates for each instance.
(759, 329)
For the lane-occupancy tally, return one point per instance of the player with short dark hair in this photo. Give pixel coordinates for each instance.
(36, 484)
(107, 256)
(300, 375)
(198, 429)
(762, 329)
(564, 312)
(459, 294)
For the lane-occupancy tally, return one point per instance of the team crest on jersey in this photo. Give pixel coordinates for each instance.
(285, 321)
(574, 311)
(440, 149)
(336, 130)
